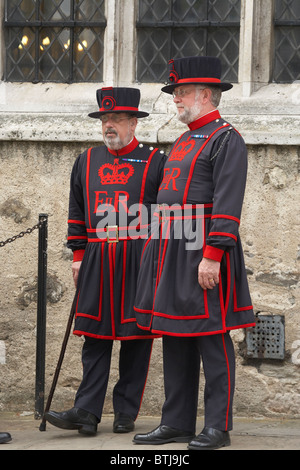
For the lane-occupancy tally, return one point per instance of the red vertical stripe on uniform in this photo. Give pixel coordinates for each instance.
(187, 186)
(111, 285)
(101, 283)
(87, 183)
(158, 267)
(145, 175)
(228, 283)
(144, 184)
(123, 281)
(229, 383)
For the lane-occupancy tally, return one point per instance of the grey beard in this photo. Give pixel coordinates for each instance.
(190, 114)
(113, 143)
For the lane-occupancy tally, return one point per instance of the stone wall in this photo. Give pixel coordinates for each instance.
(34, 178)
(43, 127)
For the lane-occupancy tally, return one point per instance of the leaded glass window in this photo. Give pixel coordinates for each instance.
(54, 40)
(168, 29)
(287, 41)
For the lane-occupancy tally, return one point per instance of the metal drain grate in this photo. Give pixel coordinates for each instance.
(266, 339)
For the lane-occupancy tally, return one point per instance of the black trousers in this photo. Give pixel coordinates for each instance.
(128, 392)
(182, 357)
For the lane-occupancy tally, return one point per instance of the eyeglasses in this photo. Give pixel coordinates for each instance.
(181, 92)
(114, 118)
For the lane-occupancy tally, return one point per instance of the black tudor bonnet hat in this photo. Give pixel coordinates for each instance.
(195, 71)
(118, 100)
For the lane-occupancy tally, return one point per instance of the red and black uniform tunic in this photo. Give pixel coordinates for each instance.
(200, 201)
(108, 222)
(203, 185)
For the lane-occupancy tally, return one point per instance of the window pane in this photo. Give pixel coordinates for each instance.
(89, 10)
(224, 11)
(20, 57)
(287, 54)
(88, 57)
(21, 10)
(55, 10)
(191, 27)
(287, 10)
(154, 47)
(154, 10)
(224, 43)
(185, 10)
(54, 55)
(287, 41)
(188, 42)
(60, 53)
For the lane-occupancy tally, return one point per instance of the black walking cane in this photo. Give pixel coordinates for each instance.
(59, 363)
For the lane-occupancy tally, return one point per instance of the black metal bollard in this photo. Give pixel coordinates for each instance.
(41, 317)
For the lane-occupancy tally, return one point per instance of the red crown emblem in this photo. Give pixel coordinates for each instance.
(181, 149)
(116, 173)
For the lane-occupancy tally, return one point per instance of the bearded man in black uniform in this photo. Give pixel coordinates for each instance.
(195, 293)
(112, 189)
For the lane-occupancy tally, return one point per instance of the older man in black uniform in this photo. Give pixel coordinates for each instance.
(112, 190)
(195, 293)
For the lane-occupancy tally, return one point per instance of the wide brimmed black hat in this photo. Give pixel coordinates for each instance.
(195, 71)
(118, 100)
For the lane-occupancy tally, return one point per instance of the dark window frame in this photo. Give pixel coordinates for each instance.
(70, 24)
(284, 25)
(205, 25)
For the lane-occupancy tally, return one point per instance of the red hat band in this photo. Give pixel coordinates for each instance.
(120, 109)
(194, 70)
(118, 100)
(199, 80)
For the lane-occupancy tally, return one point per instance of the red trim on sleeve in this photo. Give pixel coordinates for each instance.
(77, 237)
(78, 255)
(80, 222)
(224, 216)
(223, 234)
(212, 252)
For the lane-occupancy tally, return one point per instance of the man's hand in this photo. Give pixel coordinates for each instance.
(208, 273)
(75, 270)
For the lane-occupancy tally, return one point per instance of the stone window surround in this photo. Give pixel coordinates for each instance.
(265, 113)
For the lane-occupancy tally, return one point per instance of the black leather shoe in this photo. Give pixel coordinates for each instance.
(4, 437)
(210, 438)
(75, 418)
(162, 435)
(123, 423)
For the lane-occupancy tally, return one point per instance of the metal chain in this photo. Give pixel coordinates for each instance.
(221, 146)
(21, 234)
